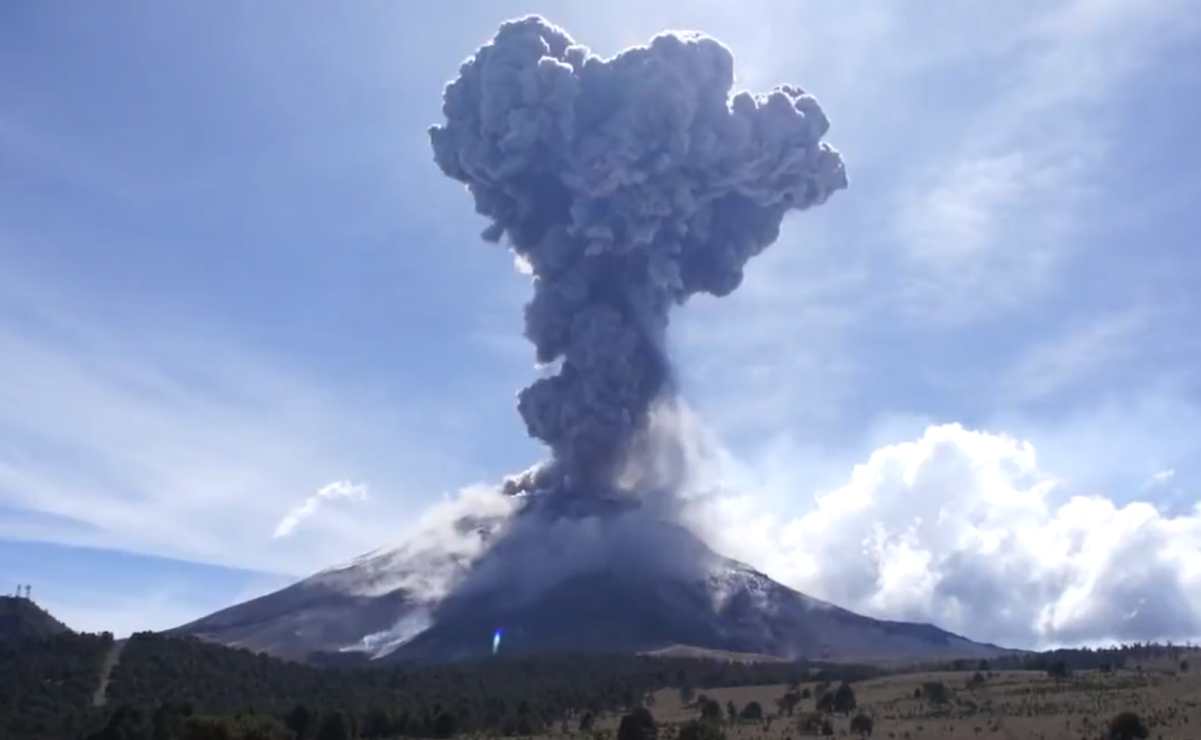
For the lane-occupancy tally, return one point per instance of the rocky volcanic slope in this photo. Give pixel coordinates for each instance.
(370, 605)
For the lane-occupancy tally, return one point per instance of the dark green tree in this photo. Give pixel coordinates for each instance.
(445, 725)
(638, 725)
(731, 711)
(334, 726)
(710, 710)
(753, 711)
(376, 723)
(844, 699)
(126, 723)
(300, 721)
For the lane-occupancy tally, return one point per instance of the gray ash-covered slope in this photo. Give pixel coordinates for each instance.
(22, 619)
(609, 608)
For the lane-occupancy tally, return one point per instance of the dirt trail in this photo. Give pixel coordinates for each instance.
(100, 698)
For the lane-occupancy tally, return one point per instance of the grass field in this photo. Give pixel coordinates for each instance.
(1005, 704)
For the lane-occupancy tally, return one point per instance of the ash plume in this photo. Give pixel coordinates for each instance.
(624, 185)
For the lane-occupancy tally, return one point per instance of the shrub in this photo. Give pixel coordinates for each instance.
(1127, 726)
(698, 730)
(826, 702)
(936, 692)
(752, 711)
(788, 703)
(638, 725)
(810, 723)
(862, 724)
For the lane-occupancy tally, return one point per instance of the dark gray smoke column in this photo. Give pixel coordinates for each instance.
(627, 185)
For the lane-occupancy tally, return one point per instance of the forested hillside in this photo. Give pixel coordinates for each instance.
(46, 684)
(165, 688)
(21, 619)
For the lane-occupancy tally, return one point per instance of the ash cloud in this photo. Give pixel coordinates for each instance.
(338, 490)
(624, 185)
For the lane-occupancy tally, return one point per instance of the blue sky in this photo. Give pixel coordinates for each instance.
(231, 278)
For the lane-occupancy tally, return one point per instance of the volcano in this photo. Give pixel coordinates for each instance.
(373, 605)
(623, 186)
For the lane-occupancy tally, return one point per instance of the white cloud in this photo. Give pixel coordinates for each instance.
(964, 529)
(341, 489)
(1160, 477)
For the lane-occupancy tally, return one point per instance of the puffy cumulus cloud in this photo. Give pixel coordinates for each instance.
(340, 489)
(963, 529)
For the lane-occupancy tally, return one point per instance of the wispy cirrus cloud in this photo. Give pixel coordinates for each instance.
(184, 443)
(1075, 357)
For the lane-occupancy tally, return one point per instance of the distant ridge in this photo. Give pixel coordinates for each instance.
(21, 618)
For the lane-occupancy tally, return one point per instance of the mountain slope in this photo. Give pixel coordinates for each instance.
(738, 610)
(22, 619)
(715, 603)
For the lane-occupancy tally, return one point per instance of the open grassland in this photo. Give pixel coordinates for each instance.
(1002, 704)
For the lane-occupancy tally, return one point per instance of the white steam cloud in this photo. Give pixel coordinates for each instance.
(341, 489)
(963, 529)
